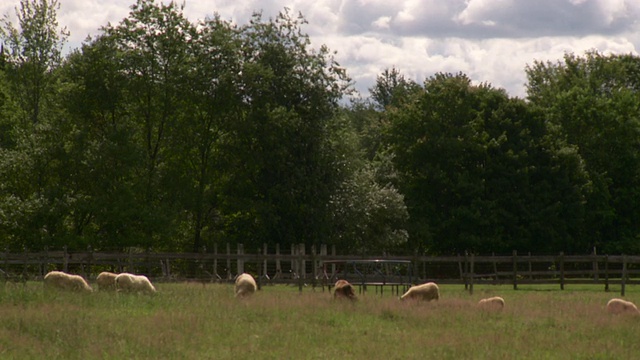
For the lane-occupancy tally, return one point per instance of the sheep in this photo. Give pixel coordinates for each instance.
(619, 306)
(344, 290)
(64, 281)
(131, 283)
(106, 280)
(428, 292)
(245, 285)
(492, 303)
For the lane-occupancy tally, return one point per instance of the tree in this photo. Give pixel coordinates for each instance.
(154, 56)
(211, 104)
(392, 89)
(283, 164)
(103, 153)
(368, 212)
(481, 172)
(34, 206)
(34, 52)
(593, 100)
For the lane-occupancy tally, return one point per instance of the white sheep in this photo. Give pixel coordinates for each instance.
(245, 285)
(492, 303)
(428, 292)
(131, 283)
(64, 281)
(343, 289)
(619, 306)
(106, 280)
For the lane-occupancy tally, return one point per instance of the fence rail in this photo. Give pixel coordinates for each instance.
(321, 268)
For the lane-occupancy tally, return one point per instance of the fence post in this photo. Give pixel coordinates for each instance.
(495, 268)
(240, 262)
(148, 262)
(472, 274)
(606, 273)
(278, 264)
(465, 275)
(303, 263)
(300, 251)
(314, 262)
(515, 269)
(460, 269)
(596, 271)
(130, 262)
(201, 272)
(333, 265)
(624, 275)
(89, 260)
(229, 276)
(215, 262)
(561, 270)
(26, 262)
(45, 263)
(323, 255)
(259, 267)
(6, 263)
(294, 262)
(65, 259)
(265, 268)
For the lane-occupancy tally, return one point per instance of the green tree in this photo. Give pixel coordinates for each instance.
(103, 154)
(482, 172)
(368, 213)
(34, 52)
(593, 100)
(392, 89)
(212, 102)
(154, 56)
(33, 204)
(283, 164)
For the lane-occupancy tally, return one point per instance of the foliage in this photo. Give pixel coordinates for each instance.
(593, 100)
(482, 172)
(281, 155)
(392, 89)
(31, 201)
(166, 134)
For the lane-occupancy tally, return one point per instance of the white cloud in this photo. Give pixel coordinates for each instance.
(382, 22)
(482, 11)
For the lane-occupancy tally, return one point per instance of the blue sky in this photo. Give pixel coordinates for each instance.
(489, 40)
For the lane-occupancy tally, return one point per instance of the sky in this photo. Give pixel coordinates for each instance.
(491, 41)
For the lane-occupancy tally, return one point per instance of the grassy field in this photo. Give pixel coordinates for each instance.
(192, 321)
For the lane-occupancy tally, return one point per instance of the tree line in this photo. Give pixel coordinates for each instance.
(166, 134)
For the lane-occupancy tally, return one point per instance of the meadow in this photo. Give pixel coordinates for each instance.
(195, 321)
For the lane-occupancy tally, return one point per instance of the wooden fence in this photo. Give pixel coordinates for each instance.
(303, 266)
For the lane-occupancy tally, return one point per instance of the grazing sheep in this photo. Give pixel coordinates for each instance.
(428, 292)
(245, 285)
(344, 290)
(619, 306)
(64, 281)
(106, 280)
(134, 283)
(492, 303)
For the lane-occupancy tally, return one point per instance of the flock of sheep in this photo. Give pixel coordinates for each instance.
(245, 285)
(124, 282)
(426, 292)
(430, 291)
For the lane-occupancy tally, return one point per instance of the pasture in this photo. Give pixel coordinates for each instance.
(195, 321)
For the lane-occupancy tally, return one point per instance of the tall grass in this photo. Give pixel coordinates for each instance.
(194, 321)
